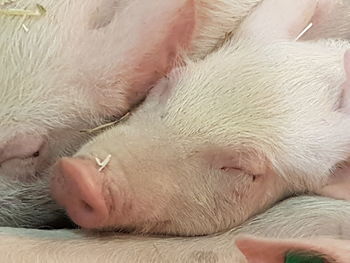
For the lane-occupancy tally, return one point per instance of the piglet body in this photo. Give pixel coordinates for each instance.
(307, 217)
(221, 139)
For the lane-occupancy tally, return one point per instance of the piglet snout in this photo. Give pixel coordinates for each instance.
(77, 185)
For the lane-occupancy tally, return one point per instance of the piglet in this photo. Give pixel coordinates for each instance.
(97, 65)
(307, 217)
(220, 19)
(85, 63)
(221, 139)
(79, 65)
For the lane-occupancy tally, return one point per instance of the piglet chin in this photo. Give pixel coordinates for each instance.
(77, 185)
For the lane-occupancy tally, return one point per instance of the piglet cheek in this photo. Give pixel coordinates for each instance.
(79, 187)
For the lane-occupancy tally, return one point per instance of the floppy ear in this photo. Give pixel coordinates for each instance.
(316, 250)
(278, 19)
(122, 60)
(164, 29)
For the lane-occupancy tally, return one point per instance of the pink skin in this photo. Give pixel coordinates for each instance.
(83, 64)
(183, 179)
(82, 190)
(259, 250)
(114, 77)
(31, 145)
(81, 86)
(89, 203)
(103, 58)
(109, 65)
(136, 203)
(26, 152)
(89, 207)
(338, 185)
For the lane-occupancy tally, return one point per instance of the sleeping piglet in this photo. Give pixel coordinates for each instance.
(97, 65)
(79, 65)
(83, 63)
(220, 139)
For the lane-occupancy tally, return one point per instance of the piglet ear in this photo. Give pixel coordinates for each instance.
(261, 251)
(279, 19)
(138, 47)
(258, 250)
(163, 35)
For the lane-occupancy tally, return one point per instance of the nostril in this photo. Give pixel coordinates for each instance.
(88, 208)
(36, 154)
(77, 187)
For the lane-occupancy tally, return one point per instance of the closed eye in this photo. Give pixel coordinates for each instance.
(22, 146)
(240, 170)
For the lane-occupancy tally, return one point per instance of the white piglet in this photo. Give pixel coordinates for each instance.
(220, 139)
(307, 217)
(85, 63)
(78, 65)
(95, 66)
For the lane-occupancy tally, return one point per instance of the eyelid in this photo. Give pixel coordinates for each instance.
(226, 168)
(21, 146)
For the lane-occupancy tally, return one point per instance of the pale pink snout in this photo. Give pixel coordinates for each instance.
(77, 186)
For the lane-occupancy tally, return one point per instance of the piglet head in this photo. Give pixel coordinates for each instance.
(217, 141)
(157, 182)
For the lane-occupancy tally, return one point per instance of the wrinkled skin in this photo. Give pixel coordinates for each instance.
(221, 139)
(305, 217)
